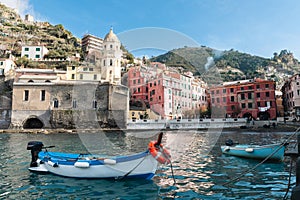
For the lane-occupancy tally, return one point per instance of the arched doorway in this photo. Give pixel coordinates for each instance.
(247, 115)
(264, 115)
(32, 123)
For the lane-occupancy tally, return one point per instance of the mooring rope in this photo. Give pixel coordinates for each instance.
(263, 161)
(289, 181)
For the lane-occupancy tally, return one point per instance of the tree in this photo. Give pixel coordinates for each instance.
(23, 61)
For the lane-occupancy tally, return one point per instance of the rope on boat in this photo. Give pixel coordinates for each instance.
(289, 183)
(173, 173)
(263, 161)
(132, 169)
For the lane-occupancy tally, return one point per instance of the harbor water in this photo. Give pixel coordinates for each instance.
(199, 168)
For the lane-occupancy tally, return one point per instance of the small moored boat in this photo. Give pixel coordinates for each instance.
(273, 152)
(140, 165)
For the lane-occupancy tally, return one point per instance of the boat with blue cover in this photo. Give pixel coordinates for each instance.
(273, 152)
(139, 165)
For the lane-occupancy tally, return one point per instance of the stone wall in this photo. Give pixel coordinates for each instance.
(111, 112)
(80, 105)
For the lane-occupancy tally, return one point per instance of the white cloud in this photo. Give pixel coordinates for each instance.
(22, 6)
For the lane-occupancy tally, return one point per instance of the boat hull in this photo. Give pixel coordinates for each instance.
(141, 165)
(255, 151)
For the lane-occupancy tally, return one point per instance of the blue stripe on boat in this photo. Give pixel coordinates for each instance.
(70, 158)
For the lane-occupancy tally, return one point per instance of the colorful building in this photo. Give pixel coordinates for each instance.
(291, 97)
(245, 98)
(166, 91)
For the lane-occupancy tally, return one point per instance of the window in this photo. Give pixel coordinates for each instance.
(267, 85)
(73, 76)
(73, 67)
(150, 84)
(81, 76)
(242, 88)
(224, 99)
(74, 103)
(232, 107)
(139, 90)
(231, 90)
(249, 105)
(55, 103)
(104, 63)
(85, 69)
(111, 46)
(43, 95)
(26, 95)
(91, 69)
(243, 105)
(258, 104)
(26, 55)
(250, 87)
(218, 100)
(224, 90)
(37, 56)
(249, 95)
(232, 98)
(134, 82)
(110, 62)
(258, 95)
(95, 76)
(95, 104)
(267, 94)
(242, 96)
(257, 86)
(26, 49)
(217, 91)
(1, 63)
(38, 49)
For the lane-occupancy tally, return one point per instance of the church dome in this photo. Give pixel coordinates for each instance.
(111, 37)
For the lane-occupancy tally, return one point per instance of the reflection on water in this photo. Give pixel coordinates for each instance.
(199, 167)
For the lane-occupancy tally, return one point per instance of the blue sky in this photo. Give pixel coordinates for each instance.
(258, 27)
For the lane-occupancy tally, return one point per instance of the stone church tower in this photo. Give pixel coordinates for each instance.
(111, 59)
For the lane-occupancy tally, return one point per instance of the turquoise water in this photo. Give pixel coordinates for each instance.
(199, 168)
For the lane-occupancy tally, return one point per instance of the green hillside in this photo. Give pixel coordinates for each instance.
(231, 64)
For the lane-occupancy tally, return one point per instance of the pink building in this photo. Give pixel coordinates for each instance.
(166, 91)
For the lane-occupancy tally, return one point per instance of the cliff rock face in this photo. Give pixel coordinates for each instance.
(15, 32)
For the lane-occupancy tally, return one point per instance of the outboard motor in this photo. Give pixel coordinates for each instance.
(35, 147)
(229, 142)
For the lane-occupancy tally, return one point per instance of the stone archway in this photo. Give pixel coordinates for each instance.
(33, 122)
(264, 115)
(247, 115)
